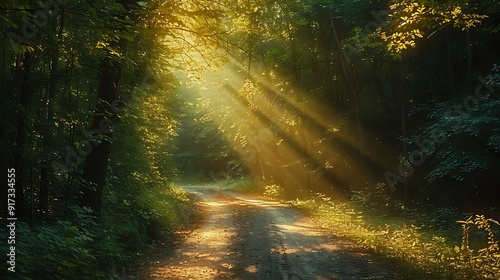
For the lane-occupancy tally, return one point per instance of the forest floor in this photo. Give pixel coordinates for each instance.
(240, 236)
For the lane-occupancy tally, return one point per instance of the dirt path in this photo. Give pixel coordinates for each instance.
(242, 237)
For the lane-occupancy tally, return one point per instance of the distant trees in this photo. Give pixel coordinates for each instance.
(368, 62)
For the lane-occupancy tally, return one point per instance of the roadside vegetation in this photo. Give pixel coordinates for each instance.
(427, 241)
(141, 204)
(437, 242)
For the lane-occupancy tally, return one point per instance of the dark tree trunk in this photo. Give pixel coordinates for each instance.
(353, 94)
(96, 162)
(18, 162)
(48, 140)
(451, 70)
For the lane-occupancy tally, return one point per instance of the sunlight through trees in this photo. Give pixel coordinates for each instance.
(105, 105)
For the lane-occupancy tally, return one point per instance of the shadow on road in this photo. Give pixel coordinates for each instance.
(242, 237)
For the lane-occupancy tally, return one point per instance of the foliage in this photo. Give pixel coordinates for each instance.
(419, 244)
(463, 133)
(288, 57)
(411, 19)
(292, 106)
(140, 187)
(484, 261)
(273, 190)
(58, 250)
(203, 153)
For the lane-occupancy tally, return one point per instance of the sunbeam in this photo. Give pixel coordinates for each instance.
(281, 140)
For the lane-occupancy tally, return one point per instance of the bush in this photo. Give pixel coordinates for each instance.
(425, 240)
(58, 250)
(483, 261)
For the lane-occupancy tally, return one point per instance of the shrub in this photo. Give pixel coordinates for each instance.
(483, 262)
(58, 250)
(424, 240)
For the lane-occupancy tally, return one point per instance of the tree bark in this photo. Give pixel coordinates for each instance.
(18, 162)
(45, 182)
(99, 149)
(351, 86)
(451, 69)
(96, 162)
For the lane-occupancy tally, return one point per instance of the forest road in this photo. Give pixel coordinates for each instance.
(244, 237)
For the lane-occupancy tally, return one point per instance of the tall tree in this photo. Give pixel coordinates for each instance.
(96, 162)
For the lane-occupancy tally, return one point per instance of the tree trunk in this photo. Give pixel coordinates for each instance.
(18, 162)
(403, 123)
(351, 86)
(451, 69)
(48, 144)
(468, 47)
(96, 162)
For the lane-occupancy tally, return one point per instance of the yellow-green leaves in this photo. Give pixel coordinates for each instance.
(411, 20)
(459, 19)
(111, 50)
(250, 93)
(399, 41)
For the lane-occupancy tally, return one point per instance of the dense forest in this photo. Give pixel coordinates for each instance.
(107, 107)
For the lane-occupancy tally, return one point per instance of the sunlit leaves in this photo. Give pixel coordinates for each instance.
(411, 19)
(250, 92)
(291, 122)
(485, 261)
(460, 19)
(399, 41)
(112, 51)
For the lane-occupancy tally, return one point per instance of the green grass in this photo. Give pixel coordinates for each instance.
(241, 184)
(424, 241)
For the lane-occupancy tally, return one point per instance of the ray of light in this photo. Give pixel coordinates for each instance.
(282, 139)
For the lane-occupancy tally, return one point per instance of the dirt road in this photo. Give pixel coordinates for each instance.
(241, 237)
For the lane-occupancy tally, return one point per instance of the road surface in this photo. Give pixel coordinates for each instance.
(242, 237)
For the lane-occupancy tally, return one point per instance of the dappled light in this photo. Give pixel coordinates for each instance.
(232, 244)
(204, 252)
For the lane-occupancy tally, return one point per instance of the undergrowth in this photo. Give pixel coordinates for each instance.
(245, 184)
(81, 247)
(437, 241)
(140, 205)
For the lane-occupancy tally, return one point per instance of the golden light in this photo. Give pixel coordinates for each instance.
(281, 135)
